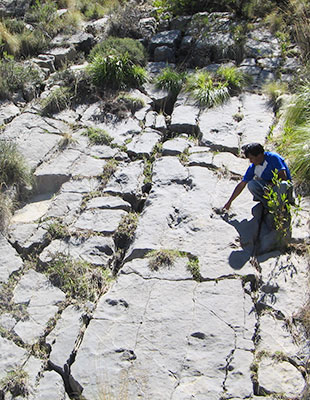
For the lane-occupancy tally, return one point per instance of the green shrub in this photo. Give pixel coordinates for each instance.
(133, 49)
(77, 278)
(15, 76)
(98, 136)
(13, 169)
(116, 72)
(171, 80)
(59, 99)
(234, 79)
(203, 88)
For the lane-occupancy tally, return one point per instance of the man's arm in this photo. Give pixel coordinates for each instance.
(238, 189)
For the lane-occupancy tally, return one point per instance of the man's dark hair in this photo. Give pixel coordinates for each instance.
(253, 148)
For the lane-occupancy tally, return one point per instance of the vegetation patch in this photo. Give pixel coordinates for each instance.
(98, 136)
(57, 230)
(15, 382)
(109, 170)
(58, 100)
(162, 258)
(125, 232)
(15, 76)
(77, 278)
(194, 268)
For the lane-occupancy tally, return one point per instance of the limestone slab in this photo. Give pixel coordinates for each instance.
(144, 144)
(98, 220)
(10, 260)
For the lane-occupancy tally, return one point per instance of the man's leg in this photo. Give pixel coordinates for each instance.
(257, 188)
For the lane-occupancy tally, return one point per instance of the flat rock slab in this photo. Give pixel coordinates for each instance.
(127, 181)
(143, 145)
(280, 377)
(35, 136)
(50, 382)
(97, 250)
(82, 186)
(65, 205)
(155, 350)
(98, 220)
(9, 261)
(179, 215)
(184, 119)
(282, 342)
(175, 146)
(258, 118)
(108, 203)
(26, 237)
(41, 298)
(284, 282)
(8, 111)
(12, 356)
(237, 166)
(62, 339)
(218, 127)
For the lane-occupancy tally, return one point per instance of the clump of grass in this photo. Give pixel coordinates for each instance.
(232, 77)
(205, 90)
(15, 382)
(131, 102)
(116, 72)
(13, 168)
(304, 317)
(193, 267)
(15, 76)
(10, 43)
(120, 46)
(57, 230)
(109, 169)
(98, 136)
(171, 80)
(125, 232)
(59, 99)
(77, 278)
(162, 258)
(274, 90)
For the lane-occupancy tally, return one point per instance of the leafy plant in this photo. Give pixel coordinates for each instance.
(116, 72)
(59, 99)
(13, 168)
(230, 76)
(280, 206)
(132, 48)
(77, 278)
(206, 90)
(98, 136)
(171, 80)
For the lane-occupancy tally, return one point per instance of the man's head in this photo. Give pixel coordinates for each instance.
(254, 152)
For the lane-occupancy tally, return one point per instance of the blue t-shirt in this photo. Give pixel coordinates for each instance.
(272, 161)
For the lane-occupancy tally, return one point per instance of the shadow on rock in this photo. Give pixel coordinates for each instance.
(257, 236)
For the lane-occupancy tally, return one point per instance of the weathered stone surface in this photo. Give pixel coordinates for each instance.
(284, 283)
(62, 339)
(50, 382)
(229, 162)
(167, 170)
(8, 111)
(258, 118)
(80, 186)
(98, 220)
(185, 343)
(165, 38)
(97, 250)
(41, 297)
(65, 205)
(280, 377)
(106, 152)
(127, 182)
(261, 43)
(108, 203)
(282, 342)
(184, 119)
(62, 55)
(26, 237)
(144, 144)
(15, 8)
(218, 128)
(9, 261)
(175, 146)
(35, 136)
(12, 356)
(164, 53)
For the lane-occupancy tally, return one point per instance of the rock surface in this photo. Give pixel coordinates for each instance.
(218, 318)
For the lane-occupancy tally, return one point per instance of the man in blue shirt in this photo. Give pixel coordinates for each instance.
(260, 173)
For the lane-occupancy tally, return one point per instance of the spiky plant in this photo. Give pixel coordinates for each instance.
(203, 88)
(171, 80)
